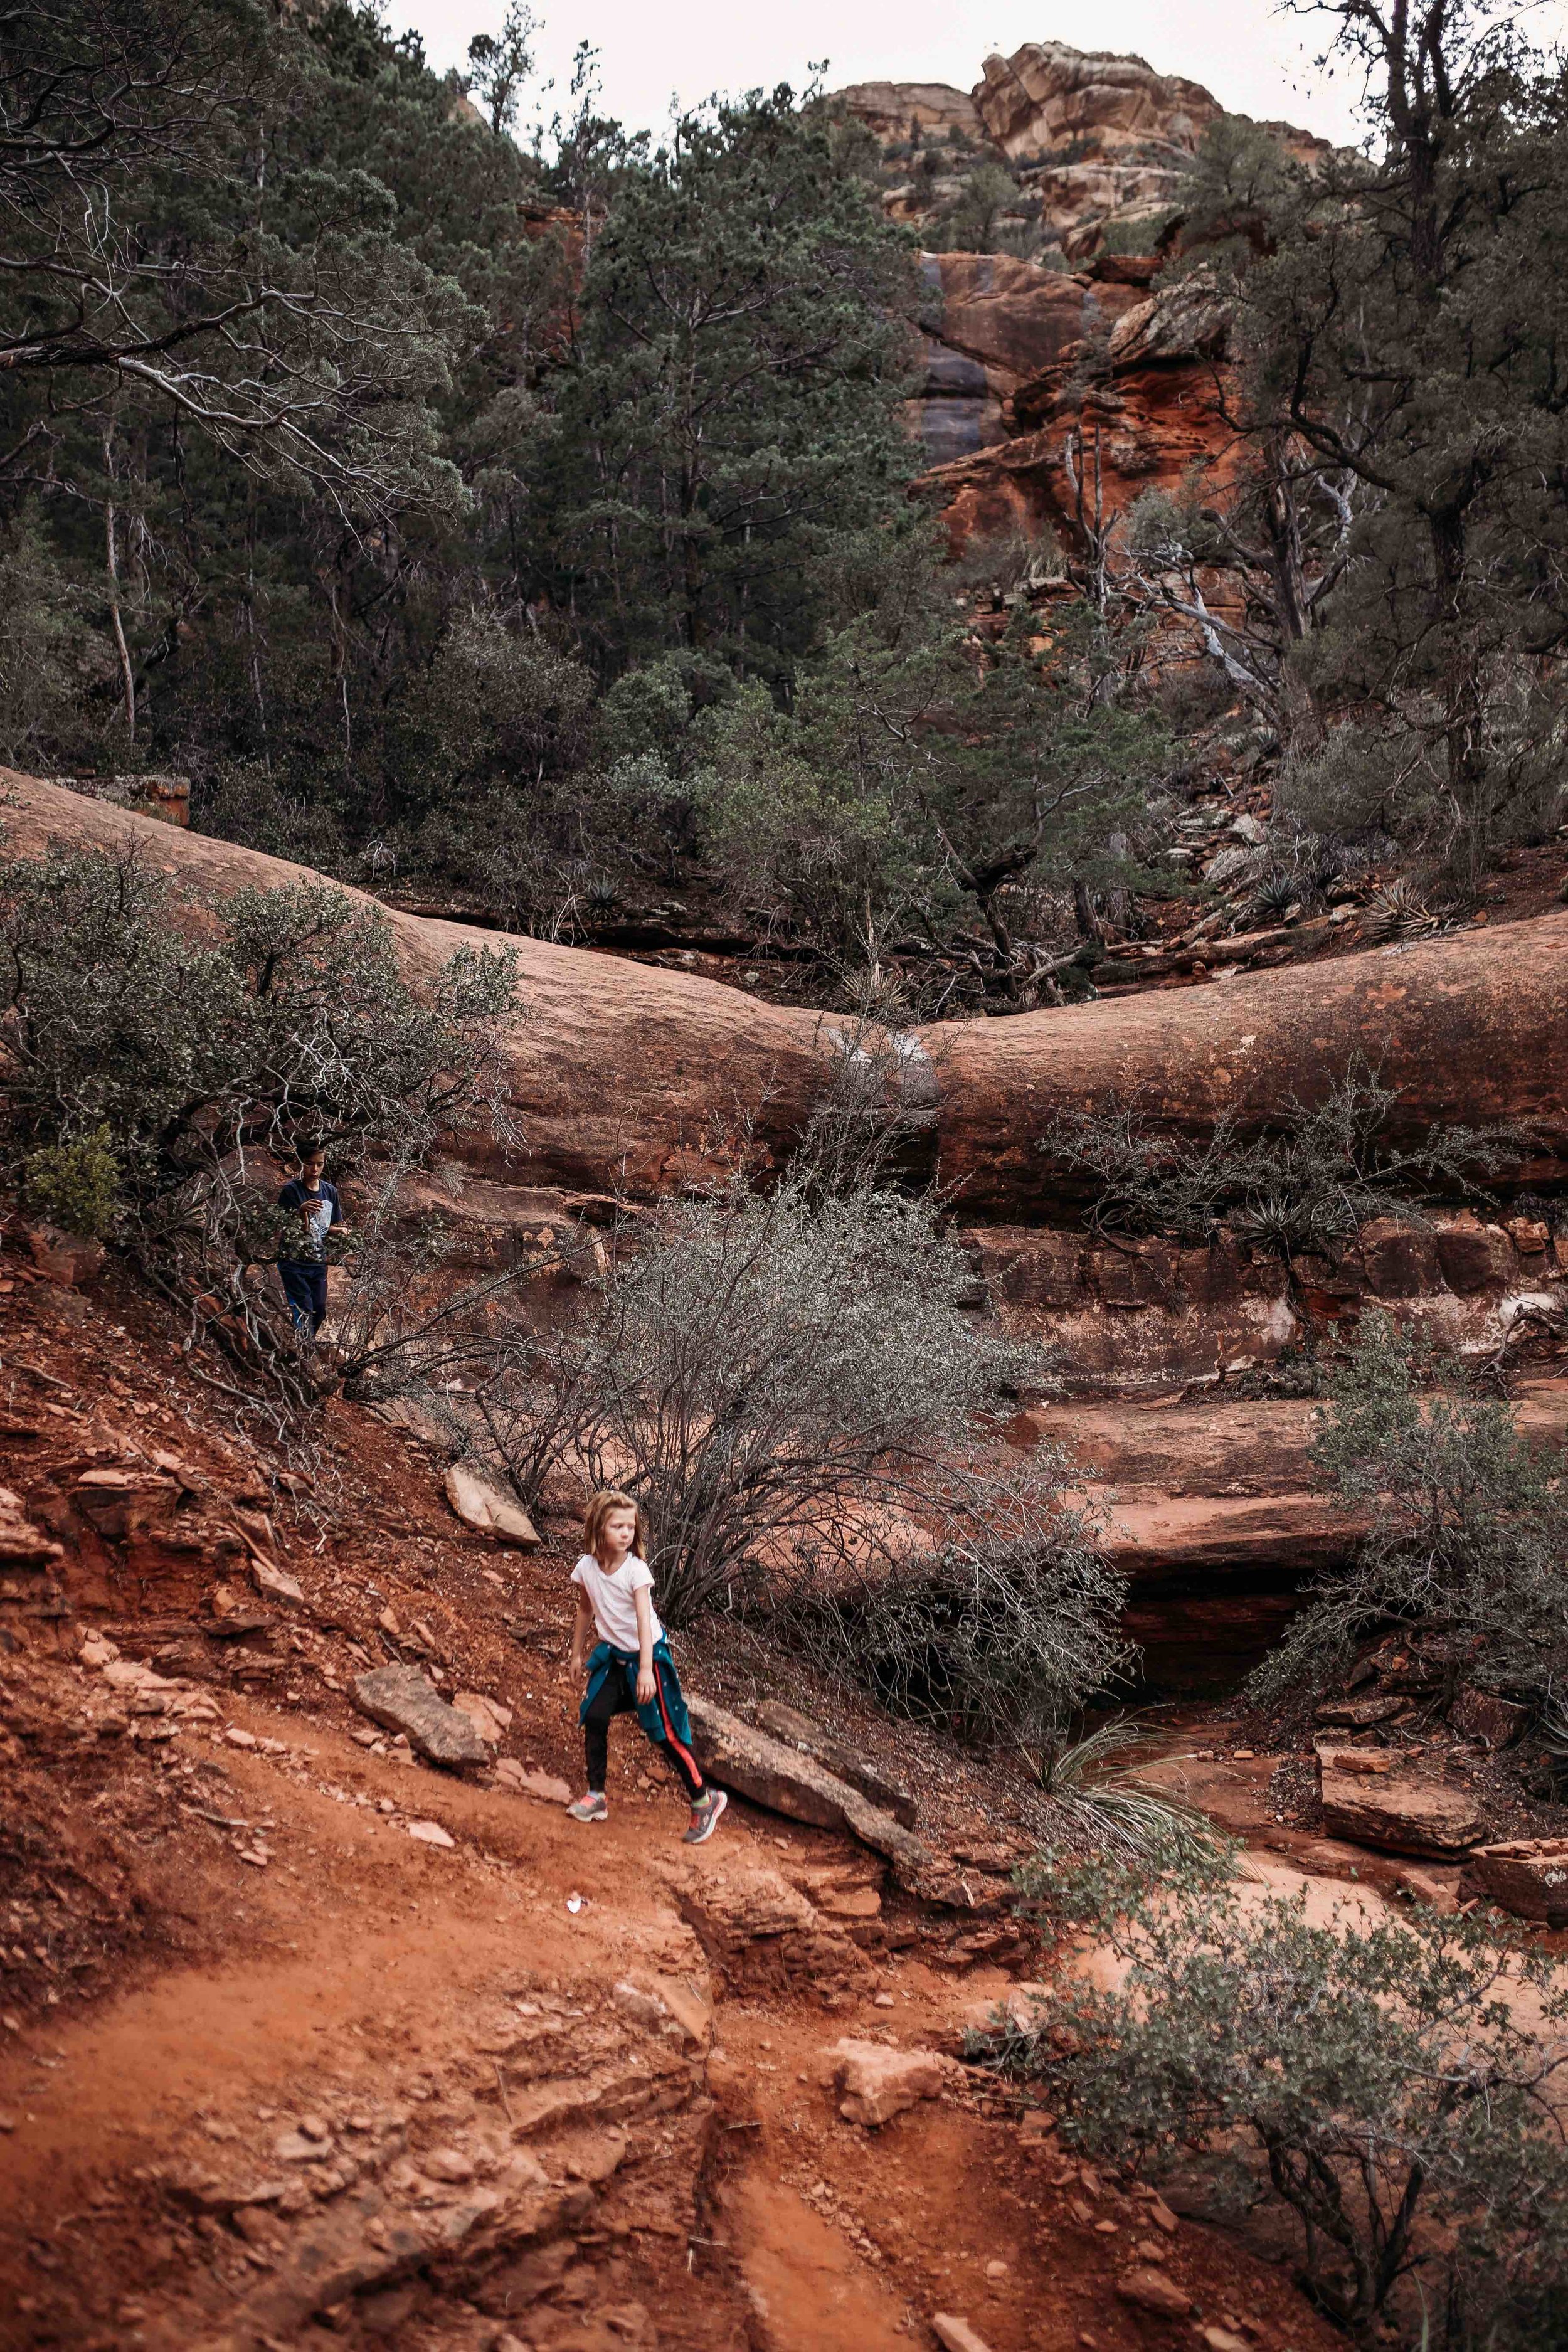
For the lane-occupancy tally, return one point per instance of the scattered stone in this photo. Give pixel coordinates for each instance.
(1360, 1714)
(430, 1833)
(956, 2335)
(1223, 2339)
(1151, 2290)
(238, 1737)
(1436, 1890)
(877, 2083)
(401, 1700)
(1528, 1877)
(510, 1774)
(883, 2000)
(1161, 2216)
(1368, 1800)
(1481, 1715)
(63, 1257)
(490, 1718)
(448, 2163)
(273, 1584)
(298, 2147)
(481, 1501)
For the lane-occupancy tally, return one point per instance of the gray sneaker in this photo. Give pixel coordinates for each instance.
(705, 1815)
(591, 1808)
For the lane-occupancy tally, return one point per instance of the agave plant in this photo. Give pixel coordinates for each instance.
(1554, 1735)
(1316, 1221)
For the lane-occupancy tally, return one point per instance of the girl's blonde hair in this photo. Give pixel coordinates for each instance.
(609, 1499)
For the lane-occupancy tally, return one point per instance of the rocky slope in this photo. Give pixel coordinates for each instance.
(630, 1081)
(305, 2041)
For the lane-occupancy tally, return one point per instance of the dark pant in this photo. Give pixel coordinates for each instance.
(615, 1696)
(305, 1287)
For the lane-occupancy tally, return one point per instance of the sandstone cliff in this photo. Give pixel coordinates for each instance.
(628, 1078)
(1051, 373)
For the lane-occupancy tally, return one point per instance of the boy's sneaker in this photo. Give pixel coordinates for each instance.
(591, 1808)
(705, 1815)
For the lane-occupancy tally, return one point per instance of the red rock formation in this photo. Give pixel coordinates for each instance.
(894, 112)
(623, 1074)
(993, 325)
(1023, 360)
(1468, 1027)
(1093, 138)
(1148, 405)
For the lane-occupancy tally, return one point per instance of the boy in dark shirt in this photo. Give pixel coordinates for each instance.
(303, 1268)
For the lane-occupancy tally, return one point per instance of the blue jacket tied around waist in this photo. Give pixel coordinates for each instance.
(664, 1717)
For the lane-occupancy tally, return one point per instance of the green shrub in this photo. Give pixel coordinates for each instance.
(1394, 2087)
(996, 1624)
(1469, 1528)
(1308, 1186)
(75, 1185)
(756, 1369)
(163, 1060)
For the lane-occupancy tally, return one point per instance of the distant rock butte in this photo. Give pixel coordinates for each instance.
(1094, 137)
(1021, 354)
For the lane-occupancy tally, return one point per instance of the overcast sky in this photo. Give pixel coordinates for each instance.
(1255, 59)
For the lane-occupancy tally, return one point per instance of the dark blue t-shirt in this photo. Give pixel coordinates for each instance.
(312, 1247)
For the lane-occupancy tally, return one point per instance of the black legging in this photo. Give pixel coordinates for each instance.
(615, 1695)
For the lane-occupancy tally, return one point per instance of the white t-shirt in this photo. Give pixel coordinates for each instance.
(612, 1598)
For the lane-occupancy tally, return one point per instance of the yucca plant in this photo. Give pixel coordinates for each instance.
(1397, 910)
(1097, 1786)
(1281, 893)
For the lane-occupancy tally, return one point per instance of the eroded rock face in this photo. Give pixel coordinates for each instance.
(1092, 137)
(896, 112)
(1046, 96)
(992, 324)
(758, 1931)
(1025, 358)
(1145, 411)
